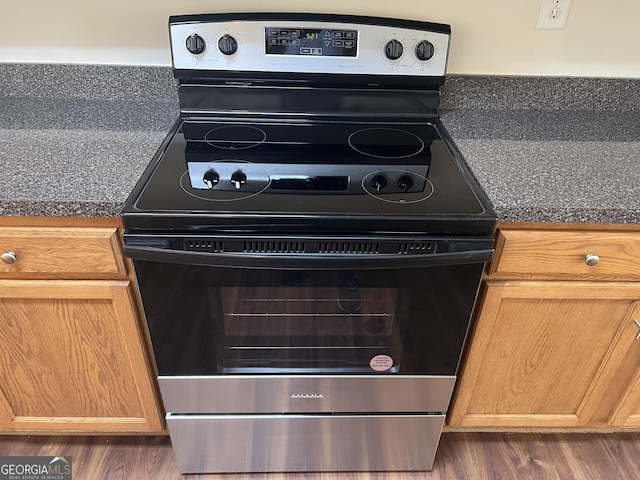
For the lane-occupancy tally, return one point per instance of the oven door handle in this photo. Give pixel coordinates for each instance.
(306, 261)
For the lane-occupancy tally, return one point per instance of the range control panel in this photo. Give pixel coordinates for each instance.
(245, 177)
(211, 42)
(311, 41)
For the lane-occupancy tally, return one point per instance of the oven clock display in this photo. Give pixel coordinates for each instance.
(311, 42)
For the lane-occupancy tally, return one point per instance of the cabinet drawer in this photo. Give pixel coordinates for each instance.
(61, 251)
(563, 254)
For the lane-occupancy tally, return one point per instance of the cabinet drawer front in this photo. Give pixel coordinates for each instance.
(563, 254)
(61, 251)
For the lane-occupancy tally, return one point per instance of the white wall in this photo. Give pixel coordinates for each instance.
(601, 39)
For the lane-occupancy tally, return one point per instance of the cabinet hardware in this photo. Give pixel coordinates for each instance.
(591, 259)
(9, 257)
(638, 325)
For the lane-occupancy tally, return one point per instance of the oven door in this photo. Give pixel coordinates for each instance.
(299, 326)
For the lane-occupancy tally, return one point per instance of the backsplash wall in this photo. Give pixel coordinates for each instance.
(489, 38)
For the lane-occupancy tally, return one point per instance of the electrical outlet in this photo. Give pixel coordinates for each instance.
(553, 14)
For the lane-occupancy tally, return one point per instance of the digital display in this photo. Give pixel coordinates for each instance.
(311, 42)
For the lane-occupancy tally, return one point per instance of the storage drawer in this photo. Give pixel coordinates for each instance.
(564, 254)
(61, 251)
(304, 443)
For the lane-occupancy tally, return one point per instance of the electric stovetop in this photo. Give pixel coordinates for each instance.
(402, 177)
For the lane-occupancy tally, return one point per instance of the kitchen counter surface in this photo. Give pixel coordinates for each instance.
(75, 139)
(553, 166)
(77, 151)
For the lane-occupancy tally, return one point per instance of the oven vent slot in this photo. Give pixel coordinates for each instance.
(274, 247)
(415, 247)
(350, 247)
(200, 245)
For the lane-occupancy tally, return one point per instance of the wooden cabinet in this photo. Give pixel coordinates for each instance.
(62, 252)
(73, 352)
(554, 343)
(562, 254)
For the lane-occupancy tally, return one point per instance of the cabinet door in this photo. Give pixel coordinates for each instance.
(627, 413)
(537, 354)
(72, 358)
(622, 390)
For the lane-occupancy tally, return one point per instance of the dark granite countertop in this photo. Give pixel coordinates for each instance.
(75, 139)
(553, 166)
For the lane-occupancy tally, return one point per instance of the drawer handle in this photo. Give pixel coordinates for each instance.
(591, 259)
(9, 257)
(637, 325)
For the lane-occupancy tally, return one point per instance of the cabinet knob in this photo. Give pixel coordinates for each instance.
(9, 257)
(591, 259)
(637, 325)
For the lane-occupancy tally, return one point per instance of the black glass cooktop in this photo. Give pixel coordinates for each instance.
(341, 176)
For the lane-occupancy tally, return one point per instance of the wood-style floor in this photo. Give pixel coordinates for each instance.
(493, 456)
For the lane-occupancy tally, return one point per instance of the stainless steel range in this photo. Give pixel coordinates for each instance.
(308, 244)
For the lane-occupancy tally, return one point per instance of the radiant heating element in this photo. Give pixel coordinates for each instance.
(308, 244)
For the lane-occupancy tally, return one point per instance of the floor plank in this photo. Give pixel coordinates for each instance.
(469, 456)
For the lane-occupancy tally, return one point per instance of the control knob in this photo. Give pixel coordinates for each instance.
(393, 50)
(238, 179)
(227, 44)
(211, 178)
(378, 182)
(405, 182)
(425, 50)
(195, 44)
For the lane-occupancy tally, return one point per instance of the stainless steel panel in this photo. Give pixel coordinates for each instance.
(295, 443)
(302, 394)
(250, 35)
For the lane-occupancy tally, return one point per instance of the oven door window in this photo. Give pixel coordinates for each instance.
(311, 322)
(216, 321)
